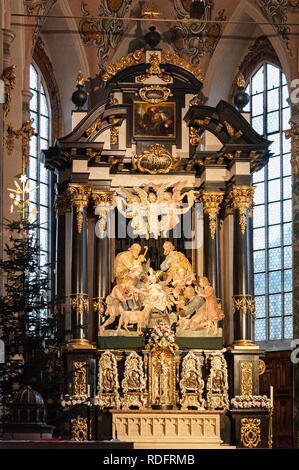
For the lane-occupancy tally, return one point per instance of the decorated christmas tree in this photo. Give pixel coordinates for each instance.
(29, 321)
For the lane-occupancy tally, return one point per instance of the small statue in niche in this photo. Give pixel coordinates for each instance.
(108, 380)
(217, 383)
(133, 383)
(192, 383)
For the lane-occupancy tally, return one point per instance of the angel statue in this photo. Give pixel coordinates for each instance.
(171, 205)
(133, 208)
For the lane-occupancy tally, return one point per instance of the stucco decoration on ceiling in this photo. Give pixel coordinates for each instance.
(277, 13)
(104, 34)
(187, 37)
(43, 9)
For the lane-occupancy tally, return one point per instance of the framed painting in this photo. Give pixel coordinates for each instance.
(154, 120)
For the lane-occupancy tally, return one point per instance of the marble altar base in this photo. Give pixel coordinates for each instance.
(173, 429)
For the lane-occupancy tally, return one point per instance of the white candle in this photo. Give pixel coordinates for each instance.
(88, 390)
(271, 396)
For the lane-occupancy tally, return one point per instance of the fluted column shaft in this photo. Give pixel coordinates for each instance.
(240, 199)
(79, 196)
(102, 201)
(211, 206)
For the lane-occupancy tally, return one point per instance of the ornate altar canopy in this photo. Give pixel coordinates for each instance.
(154, 194)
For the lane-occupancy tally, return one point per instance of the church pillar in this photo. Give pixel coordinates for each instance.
(240, 198)
(79, 196)
(211, 206)
(62, 205)
(293, 134)
(102, 201)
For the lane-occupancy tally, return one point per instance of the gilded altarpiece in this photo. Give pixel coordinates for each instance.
(159, 225)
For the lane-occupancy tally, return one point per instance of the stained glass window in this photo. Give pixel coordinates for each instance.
(39, 176)
(272, 215)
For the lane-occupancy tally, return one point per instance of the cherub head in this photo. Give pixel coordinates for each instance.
(152, 197)
(167, 196)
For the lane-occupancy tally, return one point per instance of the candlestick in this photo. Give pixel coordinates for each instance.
(271, 396)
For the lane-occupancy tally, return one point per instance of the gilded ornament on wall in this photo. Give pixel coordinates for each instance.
(134, 58)
(9, 78)
(293, 134)
(157, 160)
(191, 383)
(133, 384)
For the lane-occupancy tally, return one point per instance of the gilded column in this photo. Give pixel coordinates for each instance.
(79, 197)
(102, 201)
(211, 206)
(240, 200)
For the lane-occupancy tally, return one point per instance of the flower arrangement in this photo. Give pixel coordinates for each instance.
(75, 400)
(251, 401)
(162, 330)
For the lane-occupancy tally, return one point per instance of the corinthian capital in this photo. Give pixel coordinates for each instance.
(241, 198)
(79, 197)
(211, 206)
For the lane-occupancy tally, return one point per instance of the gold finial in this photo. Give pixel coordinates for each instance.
(240, 80)
(151, 10)
(80, 79)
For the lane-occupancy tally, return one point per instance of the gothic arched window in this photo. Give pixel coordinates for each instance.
(272, 216)
(38, 175)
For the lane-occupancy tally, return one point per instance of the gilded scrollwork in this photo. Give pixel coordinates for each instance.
(155, 161)
(80, 377)
(217, 384)
(250, 432)
(79, 428)
(133, 384)
(26, 131)
(192, 383)
(154, 69)
(246, 378)
(108, 383)
(194, 137)
(154, 94)
(134, 58)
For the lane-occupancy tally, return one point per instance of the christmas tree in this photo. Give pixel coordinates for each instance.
(30, 325)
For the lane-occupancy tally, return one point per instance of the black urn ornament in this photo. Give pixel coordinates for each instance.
(152, 38)
(79, 97)
(241, 98)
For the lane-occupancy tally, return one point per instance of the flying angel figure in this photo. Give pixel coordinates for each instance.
(131, 207)
(171, 205)
(152, 202)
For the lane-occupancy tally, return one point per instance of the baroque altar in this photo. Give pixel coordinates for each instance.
(154, 193)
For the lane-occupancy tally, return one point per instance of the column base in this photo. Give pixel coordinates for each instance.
(79, 344)
(243, 344)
